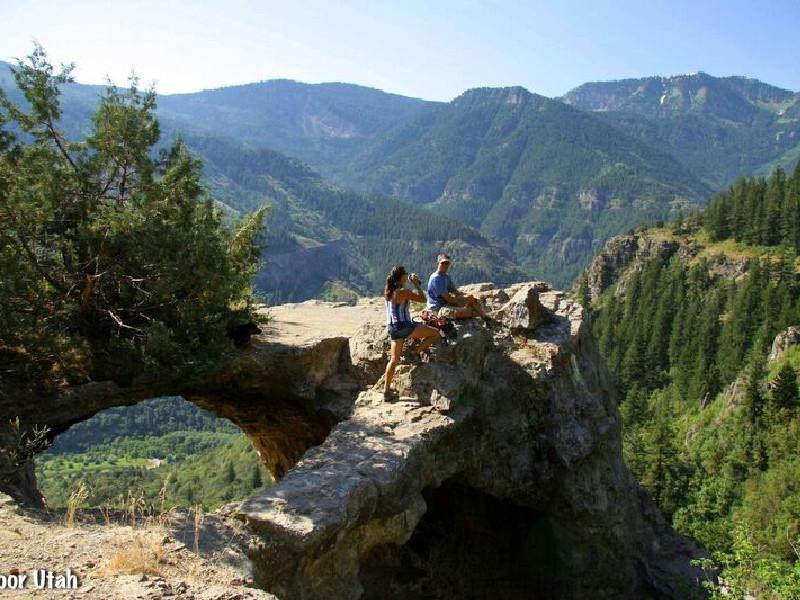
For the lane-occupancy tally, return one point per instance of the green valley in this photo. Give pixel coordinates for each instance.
(158, 454)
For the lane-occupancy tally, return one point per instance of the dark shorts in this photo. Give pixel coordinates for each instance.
(399, 331)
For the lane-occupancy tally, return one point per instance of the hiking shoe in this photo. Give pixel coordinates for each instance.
(389, 395)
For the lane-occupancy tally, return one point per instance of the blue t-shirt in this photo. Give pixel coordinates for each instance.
(438, 284)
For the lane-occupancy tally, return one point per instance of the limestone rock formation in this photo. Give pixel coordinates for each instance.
(626, 252)
(497, 473)
(620, 252)
(285, 391)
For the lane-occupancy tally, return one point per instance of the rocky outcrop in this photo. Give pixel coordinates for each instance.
(620, 253)
(624, 253)
(503, 450)
(284, 393)
(782, 342)
(497, 472)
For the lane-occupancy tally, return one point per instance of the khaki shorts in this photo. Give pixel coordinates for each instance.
(451, 312)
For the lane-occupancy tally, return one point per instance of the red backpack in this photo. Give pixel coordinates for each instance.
(445, 325)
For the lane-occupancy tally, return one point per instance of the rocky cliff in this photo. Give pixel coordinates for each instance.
(497, 473)
(625, 253)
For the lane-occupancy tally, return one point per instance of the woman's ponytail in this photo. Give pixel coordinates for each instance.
(392, 281)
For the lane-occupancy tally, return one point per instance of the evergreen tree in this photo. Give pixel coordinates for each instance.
(584, 294)
(665, 474)
(635, 409)
(230, 473)
(785, 392)
(113, 260)
(256, 481)
(754, 404)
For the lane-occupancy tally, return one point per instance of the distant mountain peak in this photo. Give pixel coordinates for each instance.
(513, 95)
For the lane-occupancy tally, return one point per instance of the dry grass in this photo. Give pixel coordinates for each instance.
(76, 498)
(134, 506)
(145, 555)
(198, 522)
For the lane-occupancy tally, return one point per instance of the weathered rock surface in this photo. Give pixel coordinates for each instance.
(782, 342)
(520, 419)
(497, 473)
(285, 391)
(626, 252)
(621, 252)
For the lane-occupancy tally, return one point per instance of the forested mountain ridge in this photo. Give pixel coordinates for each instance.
(686, 317)
(551, 182)
(322, 123)
(719, 127)
(322, 240)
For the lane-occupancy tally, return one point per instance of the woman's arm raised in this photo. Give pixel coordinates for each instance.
(418, 296)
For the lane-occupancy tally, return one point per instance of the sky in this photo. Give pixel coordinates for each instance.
(428, 49)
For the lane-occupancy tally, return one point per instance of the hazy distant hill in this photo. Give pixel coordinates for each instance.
(720, 128)
(550, 181)
(320, 123)
(323, 124)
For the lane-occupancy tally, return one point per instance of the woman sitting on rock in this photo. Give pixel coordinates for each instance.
(398, 320)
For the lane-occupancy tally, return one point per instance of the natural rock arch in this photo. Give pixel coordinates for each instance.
(285, 398)
(522, 414)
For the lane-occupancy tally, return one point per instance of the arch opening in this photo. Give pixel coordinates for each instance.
(155, 455)
(470, 544)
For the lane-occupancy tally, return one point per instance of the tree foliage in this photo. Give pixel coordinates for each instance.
(705, 431)
(113, 258)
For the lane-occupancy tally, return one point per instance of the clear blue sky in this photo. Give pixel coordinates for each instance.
(430, 49)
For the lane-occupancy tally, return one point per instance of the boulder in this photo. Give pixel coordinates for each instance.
(782, 341)
(523, 310)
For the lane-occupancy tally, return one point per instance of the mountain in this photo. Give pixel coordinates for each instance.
(322, 240)
(321, 123)
(698, 324)
(549, 181)
(718, 127)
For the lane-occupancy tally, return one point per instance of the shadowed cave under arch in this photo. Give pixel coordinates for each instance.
(472, 545)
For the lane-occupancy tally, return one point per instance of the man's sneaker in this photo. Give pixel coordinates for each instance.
(390, 395)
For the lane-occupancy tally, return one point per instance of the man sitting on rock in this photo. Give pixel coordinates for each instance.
(445, 300)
